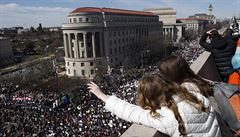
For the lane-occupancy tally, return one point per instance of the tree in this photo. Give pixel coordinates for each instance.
(29, 48)
(190, 34)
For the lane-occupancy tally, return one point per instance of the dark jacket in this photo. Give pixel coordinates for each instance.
(222, 49)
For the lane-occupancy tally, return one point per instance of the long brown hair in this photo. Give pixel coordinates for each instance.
(155, 91)
(177, 69)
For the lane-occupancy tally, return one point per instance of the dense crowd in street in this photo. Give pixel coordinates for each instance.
(190, 51)
(84, 116)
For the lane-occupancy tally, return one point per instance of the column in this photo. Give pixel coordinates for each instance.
(65, 45)
(85, 45)
(170, 33)
(76, 46)
(70, 45)
(101, 44)
(93, 44)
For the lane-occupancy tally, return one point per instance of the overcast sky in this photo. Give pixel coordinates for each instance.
(54, 12)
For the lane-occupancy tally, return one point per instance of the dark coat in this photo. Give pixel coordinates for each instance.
(222, 49)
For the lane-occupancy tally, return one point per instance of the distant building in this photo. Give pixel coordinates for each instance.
(171, 29)
(210, 17)
(19, 31)
(196, 24)
(96, 39)
(52, 29)
(6, 52)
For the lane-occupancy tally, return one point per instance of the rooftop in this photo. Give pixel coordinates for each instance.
(110, 10)
(191, 19)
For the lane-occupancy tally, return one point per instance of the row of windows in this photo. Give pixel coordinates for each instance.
(121, 49)
(82, 72)
(112, 60)
(123, 40)
(144, 31)
(82, 64)
(131, 19)
(84, 20)
(111, 19)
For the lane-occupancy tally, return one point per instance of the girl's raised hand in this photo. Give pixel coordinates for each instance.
(93, 88)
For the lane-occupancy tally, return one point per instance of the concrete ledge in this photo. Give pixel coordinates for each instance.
(205, 67)
(142, 131)
(198, 64)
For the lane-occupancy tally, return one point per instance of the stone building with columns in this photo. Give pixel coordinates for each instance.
(196, 24)
(172, 30)
(98, 38)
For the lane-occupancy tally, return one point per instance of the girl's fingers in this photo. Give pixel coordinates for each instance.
(94, 84)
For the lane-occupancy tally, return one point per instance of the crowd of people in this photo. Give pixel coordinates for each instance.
(190, 51)
(84, 116)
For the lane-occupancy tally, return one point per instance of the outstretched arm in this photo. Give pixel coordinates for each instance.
(133, 113)
(93, 88)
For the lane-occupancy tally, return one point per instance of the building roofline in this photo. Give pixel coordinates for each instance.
(111, 10)
(191, 19)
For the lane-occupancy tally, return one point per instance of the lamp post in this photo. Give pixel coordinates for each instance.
(145, 52)
(108, 66)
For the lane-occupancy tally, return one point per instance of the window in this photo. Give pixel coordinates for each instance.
(83, 72)
(97, 19)
(82, 64)
(87, 19)
(68, 71)
(70, 20)
(92, 71)
(110, 42)
(119, 33)
(80, 20)
(115, 50)
(68, 63)
(74, 20)
(100, 63)
(74, 64)
(91, 63)
(114, 34)
(74, 72)
(110, 51)
(82, 54)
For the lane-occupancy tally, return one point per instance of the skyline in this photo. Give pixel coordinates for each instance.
(54, 12)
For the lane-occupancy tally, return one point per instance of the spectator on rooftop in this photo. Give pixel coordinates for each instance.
(177, 69)
(222, 49)
(165, 106)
